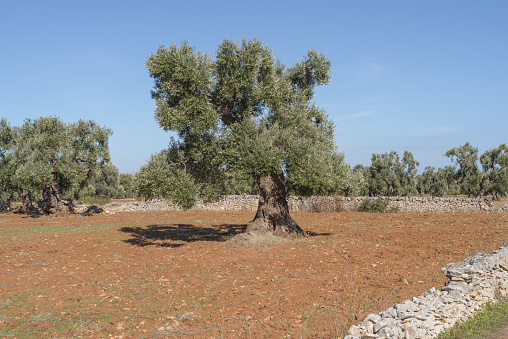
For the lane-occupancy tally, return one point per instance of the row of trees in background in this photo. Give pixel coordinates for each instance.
(470, 174)
(51, 163)
(389, 174)
(27, 176)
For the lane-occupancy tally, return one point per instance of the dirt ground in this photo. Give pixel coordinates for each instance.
(162, 274)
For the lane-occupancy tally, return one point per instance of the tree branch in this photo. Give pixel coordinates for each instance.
(225, 111)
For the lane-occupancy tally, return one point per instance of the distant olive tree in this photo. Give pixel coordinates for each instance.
(45, 156)
(467, 172)
(390, 175)
(359, 175)
(107, 181)
(9, 164)
(433, 182)
(480, 175)
(494, 179)
(127, 185)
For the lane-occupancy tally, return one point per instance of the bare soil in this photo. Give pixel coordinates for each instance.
(161, 274)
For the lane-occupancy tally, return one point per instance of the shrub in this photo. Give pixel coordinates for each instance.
(376, 205)
(95, 200)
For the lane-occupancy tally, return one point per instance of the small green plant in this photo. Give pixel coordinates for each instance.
(492, 318)
(95, 200)
(377, 205)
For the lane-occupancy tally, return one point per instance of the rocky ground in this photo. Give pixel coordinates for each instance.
(159, 274)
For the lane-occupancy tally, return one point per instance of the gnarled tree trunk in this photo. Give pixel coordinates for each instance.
(486, 177)
(54, 201)
(272, 216)
(389, 190)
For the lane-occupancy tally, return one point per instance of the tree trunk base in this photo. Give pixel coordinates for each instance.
(53, 201)
(272, 216)
(283, 226)
(26, 203)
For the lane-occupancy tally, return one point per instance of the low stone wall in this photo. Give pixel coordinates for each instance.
(474, 282)
(319, 204)
(402, 204)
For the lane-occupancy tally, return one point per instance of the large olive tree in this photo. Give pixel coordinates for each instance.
(244, 110)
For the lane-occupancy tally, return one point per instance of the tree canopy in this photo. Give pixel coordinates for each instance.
(44, 156)
(390, 175)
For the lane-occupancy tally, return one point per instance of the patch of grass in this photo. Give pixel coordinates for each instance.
(492, 318)
(95, 200)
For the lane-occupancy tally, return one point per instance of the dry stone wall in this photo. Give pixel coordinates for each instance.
(475, 281)
(402, 204)
(319, 204)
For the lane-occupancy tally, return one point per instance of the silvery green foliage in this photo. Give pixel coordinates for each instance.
(107, 183)
(45, 151)
(494, 164)
(352, 181)
(468, 172)
(104, 183)
(126, 185)
(480, 175)
(432, 182)
(390, 175)
(7, 161)
(246, 112)
(161, 177)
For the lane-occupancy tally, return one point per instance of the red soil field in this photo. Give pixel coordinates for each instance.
(160, 274)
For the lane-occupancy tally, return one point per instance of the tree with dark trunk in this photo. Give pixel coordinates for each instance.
(45, 156)
(272, 215)
(390, 175)
(53, 199)
(467, 173)
(482, 175)
(494, 178)
(26, 201)
(245, 112)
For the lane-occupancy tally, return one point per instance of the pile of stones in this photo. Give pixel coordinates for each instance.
(475, 281)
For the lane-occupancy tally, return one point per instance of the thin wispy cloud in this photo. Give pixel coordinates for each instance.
(441, 130)
(367, 69)
(356, 115)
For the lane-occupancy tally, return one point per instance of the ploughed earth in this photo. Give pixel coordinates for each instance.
(161, 274)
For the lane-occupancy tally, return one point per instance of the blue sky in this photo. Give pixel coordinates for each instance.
(422, 76)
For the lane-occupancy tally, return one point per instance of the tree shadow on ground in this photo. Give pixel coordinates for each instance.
(172, 235)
